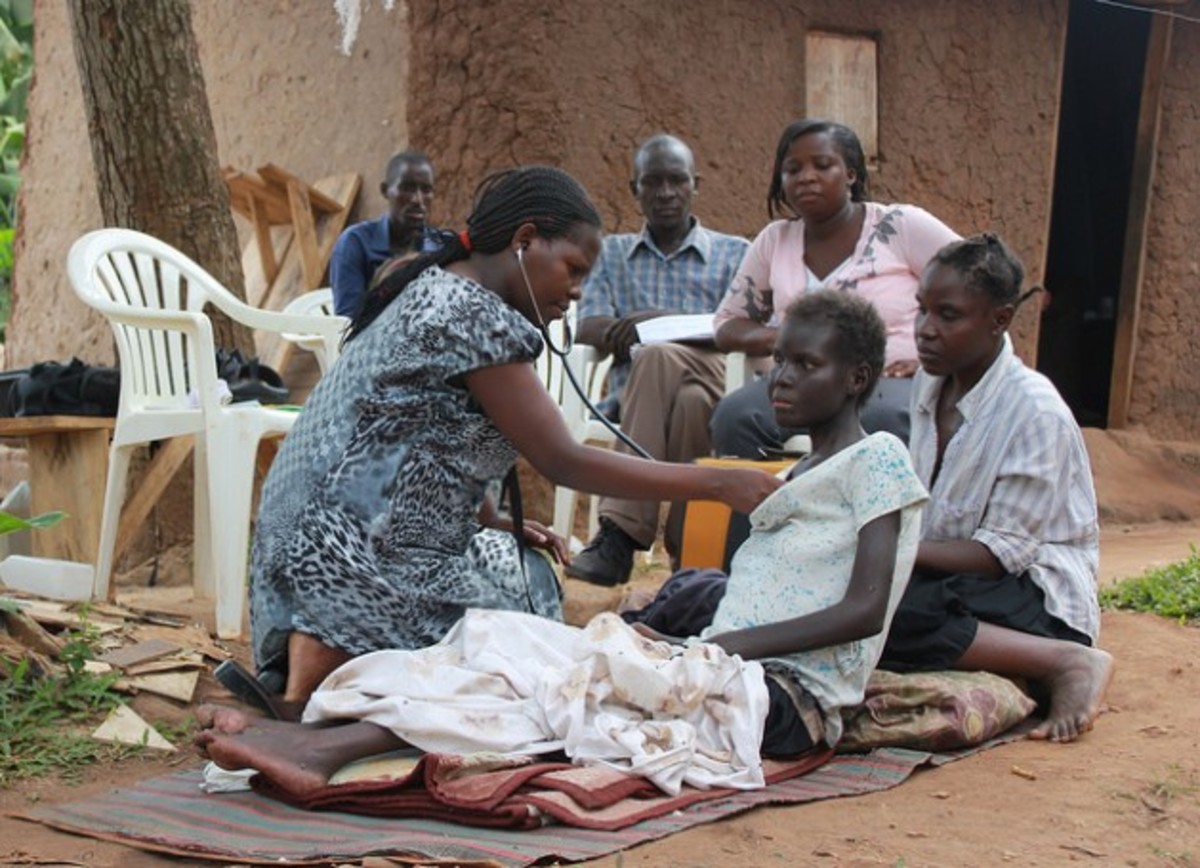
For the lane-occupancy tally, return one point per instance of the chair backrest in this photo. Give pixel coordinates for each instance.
(316, 302)
(549, 365)
(591, 372)
(152, 296)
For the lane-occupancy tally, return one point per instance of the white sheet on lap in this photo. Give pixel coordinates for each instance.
(515, 683)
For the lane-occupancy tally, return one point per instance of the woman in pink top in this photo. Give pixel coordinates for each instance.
(831, 237)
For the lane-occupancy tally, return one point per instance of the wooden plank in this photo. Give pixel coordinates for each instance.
(142, 652)
(312, 267)
(1129, 298)
(841, 81)
(28, 632)
(179, 685)
(163, 467)
(264, 241)
(192, 636)
(256, 281)
(124, 726)
(45, 612)
(67, 472)
(168, 664)
(272, 174)
(245, 189)
(30, 425)
(290, 283)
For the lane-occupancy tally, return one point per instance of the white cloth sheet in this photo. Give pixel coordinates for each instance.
(515, 683)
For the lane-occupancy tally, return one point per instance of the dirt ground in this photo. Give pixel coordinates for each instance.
(1126, 794)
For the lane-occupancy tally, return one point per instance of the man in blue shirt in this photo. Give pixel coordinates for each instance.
(664, 392)
(399, 234)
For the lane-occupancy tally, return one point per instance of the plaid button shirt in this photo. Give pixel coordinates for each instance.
(632, 274)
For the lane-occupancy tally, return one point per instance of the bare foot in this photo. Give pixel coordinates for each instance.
(287, 753)
(1076, 692)
(231, 720)
(222, 719)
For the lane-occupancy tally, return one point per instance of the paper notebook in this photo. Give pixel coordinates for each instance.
(680, 327)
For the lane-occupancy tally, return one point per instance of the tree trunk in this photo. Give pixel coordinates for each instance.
(154, 149)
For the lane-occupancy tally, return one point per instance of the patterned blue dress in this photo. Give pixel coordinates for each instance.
(367, 535)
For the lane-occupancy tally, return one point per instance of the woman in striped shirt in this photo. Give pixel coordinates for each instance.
(1005, 577)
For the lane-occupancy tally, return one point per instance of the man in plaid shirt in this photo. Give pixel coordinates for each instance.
(662, 393)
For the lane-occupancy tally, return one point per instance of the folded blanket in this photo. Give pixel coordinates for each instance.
(510, 792)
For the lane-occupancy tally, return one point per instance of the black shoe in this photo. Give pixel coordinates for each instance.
(248, 689)
(607, 559)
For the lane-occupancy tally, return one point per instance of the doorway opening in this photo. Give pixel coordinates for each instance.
(1098, 117)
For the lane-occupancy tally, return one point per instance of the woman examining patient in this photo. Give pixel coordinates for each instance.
(375, 530)
(830, 238)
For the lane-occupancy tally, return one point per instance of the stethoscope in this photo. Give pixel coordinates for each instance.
(563, 352)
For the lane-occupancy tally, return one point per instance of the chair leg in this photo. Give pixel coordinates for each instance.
(230, 472)
(565, 502)
(593, 518)
(114, 499)
(204, 583)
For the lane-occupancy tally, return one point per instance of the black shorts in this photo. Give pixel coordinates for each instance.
(938, 617)
(785, 734)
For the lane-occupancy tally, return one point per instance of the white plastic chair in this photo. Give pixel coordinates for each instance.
(592, 372)
(738, 371)
(153, 297)
(317, 302)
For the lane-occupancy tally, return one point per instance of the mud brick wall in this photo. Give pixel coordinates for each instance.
(1166, 382)
(966, 111)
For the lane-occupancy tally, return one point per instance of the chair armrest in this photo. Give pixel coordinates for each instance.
(316, 325)
(195, 325)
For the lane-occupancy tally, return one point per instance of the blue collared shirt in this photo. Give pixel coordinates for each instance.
(632, 274)
(360, 251)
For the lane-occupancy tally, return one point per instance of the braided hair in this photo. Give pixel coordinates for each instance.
(989, 265)
(547, 197)
(845, 141)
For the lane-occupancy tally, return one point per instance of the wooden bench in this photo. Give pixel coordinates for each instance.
(68, 470)
(68, 467)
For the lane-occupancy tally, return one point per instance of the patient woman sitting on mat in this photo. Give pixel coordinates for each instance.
(800, 627)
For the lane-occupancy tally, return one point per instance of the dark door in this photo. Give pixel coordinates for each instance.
(1101, 94)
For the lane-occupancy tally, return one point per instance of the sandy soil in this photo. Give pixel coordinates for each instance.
(1128, 793)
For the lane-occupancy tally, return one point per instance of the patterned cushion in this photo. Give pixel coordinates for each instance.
(933, 710)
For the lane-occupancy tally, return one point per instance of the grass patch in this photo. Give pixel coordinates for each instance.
(46, 721)
(1172, 591)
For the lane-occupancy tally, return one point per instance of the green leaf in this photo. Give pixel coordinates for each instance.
(22, 12)
(17, 97)
(10, 523)
(10, 47)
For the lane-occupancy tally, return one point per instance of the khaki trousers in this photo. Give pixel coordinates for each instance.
(668, 399)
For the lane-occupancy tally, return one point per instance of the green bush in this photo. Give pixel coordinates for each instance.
(1172, 591)
(16, 71)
